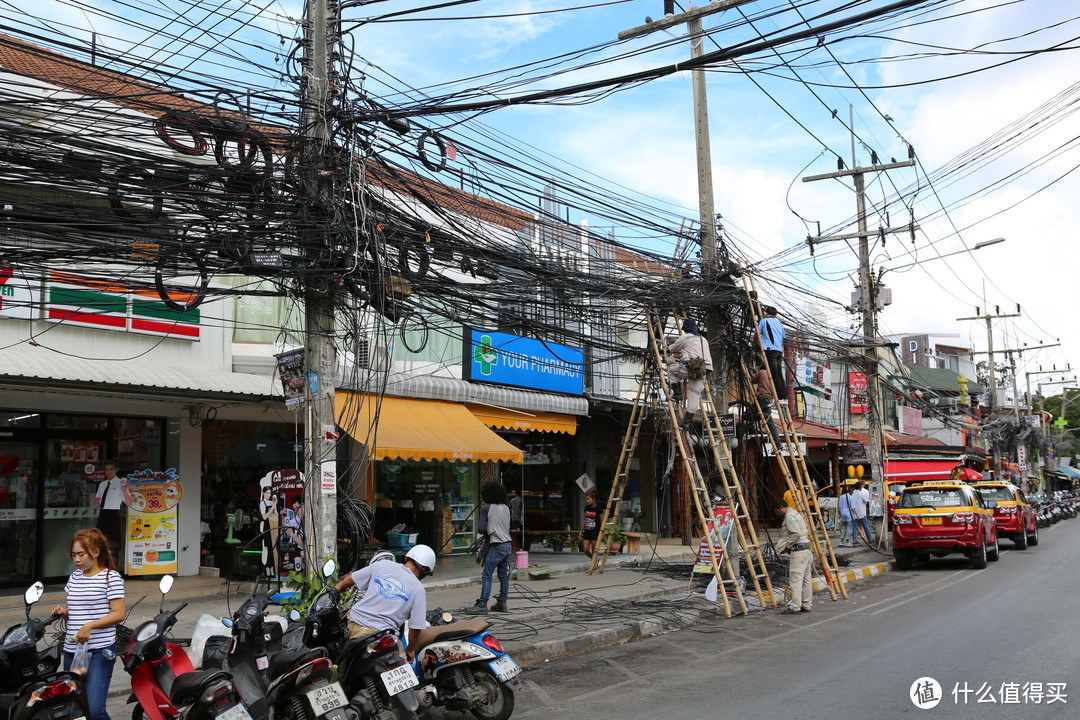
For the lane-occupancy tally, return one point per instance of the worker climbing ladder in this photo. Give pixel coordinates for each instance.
(792, 463)
(724, 567)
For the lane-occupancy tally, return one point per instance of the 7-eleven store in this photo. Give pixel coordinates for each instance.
(94, 369)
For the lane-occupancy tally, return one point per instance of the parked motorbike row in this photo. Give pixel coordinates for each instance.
(314, 671)
(1061, 505)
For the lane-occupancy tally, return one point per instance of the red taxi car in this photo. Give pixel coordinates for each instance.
(943, 517)
(1014, 515)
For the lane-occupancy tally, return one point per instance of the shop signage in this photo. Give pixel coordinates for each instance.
(911, 420)
(106, 305)
(152, 544)
(812, 373)
(858, 395)
(507, 359)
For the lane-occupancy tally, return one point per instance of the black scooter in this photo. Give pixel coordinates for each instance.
(31, 688)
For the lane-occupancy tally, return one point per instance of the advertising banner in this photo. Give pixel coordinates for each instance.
(720, 529)
(858, 394)
(152, 500)
(287, 528)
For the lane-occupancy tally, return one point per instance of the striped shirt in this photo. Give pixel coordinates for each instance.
(88, 599)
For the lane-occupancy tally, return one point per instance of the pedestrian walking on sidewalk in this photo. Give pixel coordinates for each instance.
(771, 331)
(847, 520)
(795, 540)
(860, 510)
(95, 604)
(495, 522)
(590, 524)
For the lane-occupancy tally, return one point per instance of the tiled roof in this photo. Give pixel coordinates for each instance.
(901, 440)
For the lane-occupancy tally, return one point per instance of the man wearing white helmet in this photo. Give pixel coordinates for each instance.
(392, 593)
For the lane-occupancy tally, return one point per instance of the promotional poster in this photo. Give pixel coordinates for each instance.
(152, 522)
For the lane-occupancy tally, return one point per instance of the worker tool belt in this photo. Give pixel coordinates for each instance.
(796, 548)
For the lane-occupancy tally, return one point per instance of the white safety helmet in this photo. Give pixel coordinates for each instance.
(423, 556)
(381, 555)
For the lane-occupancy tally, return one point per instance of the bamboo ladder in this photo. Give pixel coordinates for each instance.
(796, 475)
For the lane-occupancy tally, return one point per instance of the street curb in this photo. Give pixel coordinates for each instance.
(538, 652)
(850, 576)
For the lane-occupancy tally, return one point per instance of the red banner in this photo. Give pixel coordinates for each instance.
(858, 395)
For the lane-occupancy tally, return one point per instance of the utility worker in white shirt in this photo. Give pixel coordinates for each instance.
(795, 540)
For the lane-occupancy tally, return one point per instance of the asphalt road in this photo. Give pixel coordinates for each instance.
(995, 631)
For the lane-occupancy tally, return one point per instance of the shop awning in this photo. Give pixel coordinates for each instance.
(396, 428)
(507, 419)
(911, 470)
(1069, 472)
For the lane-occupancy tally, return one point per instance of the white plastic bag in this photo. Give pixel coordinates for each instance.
(81, 662)
(206, 627)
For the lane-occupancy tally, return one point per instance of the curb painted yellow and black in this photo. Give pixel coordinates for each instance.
(859, 573)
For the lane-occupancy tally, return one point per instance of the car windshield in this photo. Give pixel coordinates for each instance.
(933, 497)
(996, 493)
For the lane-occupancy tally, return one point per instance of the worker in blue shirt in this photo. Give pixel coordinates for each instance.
(772, 338)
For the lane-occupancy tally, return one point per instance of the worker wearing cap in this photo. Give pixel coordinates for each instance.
(795, 540)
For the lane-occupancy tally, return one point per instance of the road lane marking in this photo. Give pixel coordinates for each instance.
(625, 670)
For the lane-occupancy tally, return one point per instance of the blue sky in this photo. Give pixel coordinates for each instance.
(641, 138)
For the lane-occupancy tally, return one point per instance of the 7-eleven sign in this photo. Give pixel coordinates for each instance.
(18, 294)
(107, 305)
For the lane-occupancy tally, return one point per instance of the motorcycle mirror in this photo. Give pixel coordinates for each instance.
(294, 615)
(32, 595)
(165, 584)
(329, 567)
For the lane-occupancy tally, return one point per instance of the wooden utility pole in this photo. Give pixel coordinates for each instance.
(868, 305)
(995, 456)
(320, 462)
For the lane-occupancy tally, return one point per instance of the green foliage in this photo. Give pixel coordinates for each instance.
(615, 534)
(559, 539)
(308, 586)
(574, 541)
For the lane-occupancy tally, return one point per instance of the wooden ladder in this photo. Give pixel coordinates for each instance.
(793, 464)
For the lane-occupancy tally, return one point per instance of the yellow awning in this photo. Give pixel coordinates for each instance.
(497, 417)
(409, 429)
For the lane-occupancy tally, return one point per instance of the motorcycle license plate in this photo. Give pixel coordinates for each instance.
(505, 668)
(326, 698)
(236, 712)
(399, 679)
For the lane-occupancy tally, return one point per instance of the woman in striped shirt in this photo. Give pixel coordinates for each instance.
(95, 605)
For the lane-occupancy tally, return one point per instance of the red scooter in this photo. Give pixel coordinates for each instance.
(165, 683)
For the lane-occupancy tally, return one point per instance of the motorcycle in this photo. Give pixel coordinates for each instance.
(30, 685)
(376, 678)
(165, 684)
(461, 666)
(290, 683)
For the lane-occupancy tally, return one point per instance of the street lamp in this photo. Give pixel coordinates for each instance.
(978, 246)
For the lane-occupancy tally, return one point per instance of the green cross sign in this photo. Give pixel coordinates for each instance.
(485, 355)
(1060, 423)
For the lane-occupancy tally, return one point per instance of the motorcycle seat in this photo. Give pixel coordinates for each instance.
(186, 687)
(283, 661)
(453, 631)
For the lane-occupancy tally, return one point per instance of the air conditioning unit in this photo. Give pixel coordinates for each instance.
(372, 354)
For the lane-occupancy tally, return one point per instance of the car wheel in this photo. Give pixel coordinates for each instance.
(1020, 540)
(902, 558)
(923, 558)
(978, 557)
(1033, 537)
(994, 553)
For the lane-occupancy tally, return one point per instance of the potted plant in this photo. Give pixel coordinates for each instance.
(555, 541)
(615, 539)
(574, 541)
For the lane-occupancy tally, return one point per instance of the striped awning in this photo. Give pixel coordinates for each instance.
(507, 419)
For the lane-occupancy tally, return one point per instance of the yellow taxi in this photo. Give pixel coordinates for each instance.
(939, 518)
(1014, 515)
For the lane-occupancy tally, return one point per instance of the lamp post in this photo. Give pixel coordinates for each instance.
(977, 246)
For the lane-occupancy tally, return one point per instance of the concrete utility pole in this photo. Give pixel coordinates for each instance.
(868, 306)
(320, 463)
(995, 456)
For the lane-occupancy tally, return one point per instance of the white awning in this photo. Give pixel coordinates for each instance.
(26, 368)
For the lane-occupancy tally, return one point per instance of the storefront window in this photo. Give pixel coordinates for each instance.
(543, 479)
(18, 510)
(77, 422)
(436, 500)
